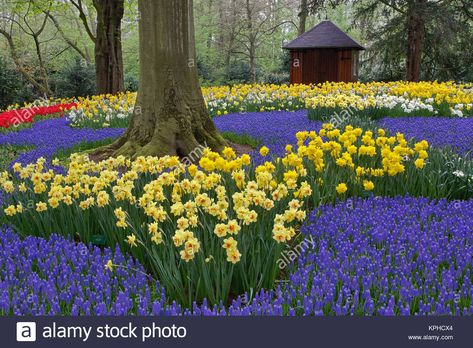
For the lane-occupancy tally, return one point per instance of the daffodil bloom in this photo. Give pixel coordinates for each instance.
(41, 206)
(419, 163)
(264, 151)
(157, 238)
(109, 265)
(221, 230)
(233, 256)
(10, 211)
(229, 243)
(341, 188)
(368, 185)
(131, 240)
(153, 228)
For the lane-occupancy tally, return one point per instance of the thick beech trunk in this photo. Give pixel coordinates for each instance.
(108, 46)
(170, 116)
(415, 40)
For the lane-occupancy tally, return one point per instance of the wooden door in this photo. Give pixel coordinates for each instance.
(345, 65)
(327, 65)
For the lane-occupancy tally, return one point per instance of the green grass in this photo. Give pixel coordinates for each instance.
(8, 153)
(242, 139)
(82, 148)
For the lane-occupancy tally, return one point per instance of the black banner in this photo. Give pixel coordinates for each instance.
(226, 332)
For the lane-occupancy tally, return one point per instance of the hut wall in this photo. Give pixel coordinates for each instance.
(321, 65)
(295, 66)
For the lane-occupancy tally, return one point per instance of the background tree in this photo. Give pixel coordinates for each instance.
(303, 14)
(170, 116)
(23, 17)
(107, 40)
(416, 38)
(231, 48)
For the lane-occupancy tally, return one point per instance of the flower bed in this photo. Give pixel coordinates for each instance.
(376, 256)
(225, 238)
(61, 277)
(383, 256)
(440, 131)
(375, 100)
(217, 230)
(16, 118)
(50, 136)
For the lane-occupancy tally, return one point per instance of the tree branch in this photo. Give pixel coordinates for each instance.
(83, 18)
(19, 64)
(66, 39)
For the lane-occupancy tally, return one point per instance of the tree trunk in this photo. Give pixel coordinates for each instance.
(228, 39)
(108, 46)
(415, 39)
(253, 69)
(303, 14)
(170, 116)
(252, 41)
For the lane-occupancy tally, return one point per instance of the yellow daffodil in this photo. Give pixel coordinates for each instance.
(109, 265)
(341, 188)
(264, 151)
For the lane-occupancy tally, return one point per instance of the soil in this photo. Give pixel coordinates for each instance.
(240, 149)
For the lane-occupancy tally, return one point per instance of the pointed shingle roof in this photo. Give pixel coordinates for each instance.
(324, 35)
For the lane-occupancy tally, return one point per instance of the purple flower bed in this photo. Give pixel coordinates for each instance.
(385, 256)
(275, 129)
(278, 128)
(61, 277)
(55, 276)
(439, 131)
(50, 136)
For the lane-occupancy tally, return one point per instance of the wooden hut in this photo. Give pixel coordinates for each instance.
(324, 53)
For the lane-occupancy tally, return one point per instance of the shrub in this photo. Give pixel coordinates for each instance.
(13, 89)
(76, 80)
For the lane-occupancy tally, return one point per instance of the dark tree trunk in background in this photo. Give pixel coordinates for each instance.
(415, 39)
(228, 36)
(108, 46)
(251, 41)
(303, 14)
(170, 115)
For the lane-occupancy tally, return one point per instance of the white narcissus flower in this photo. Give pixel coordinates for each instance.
(459, 173)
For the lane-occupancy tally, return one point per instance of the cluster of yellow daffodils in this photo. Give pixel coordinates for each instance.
(158, 202)
(403, 96)
(220, 221)
(103, 110)
(409, 97)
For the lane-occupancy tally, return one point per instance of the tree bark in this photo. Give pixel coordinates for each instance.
(252, 41)
(170, 116)
(303, 14)
(108, 46)
(228, 30)
(415, 39)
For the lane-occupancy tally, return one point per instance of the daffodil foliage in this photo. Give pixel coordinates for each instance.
(215, 229)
